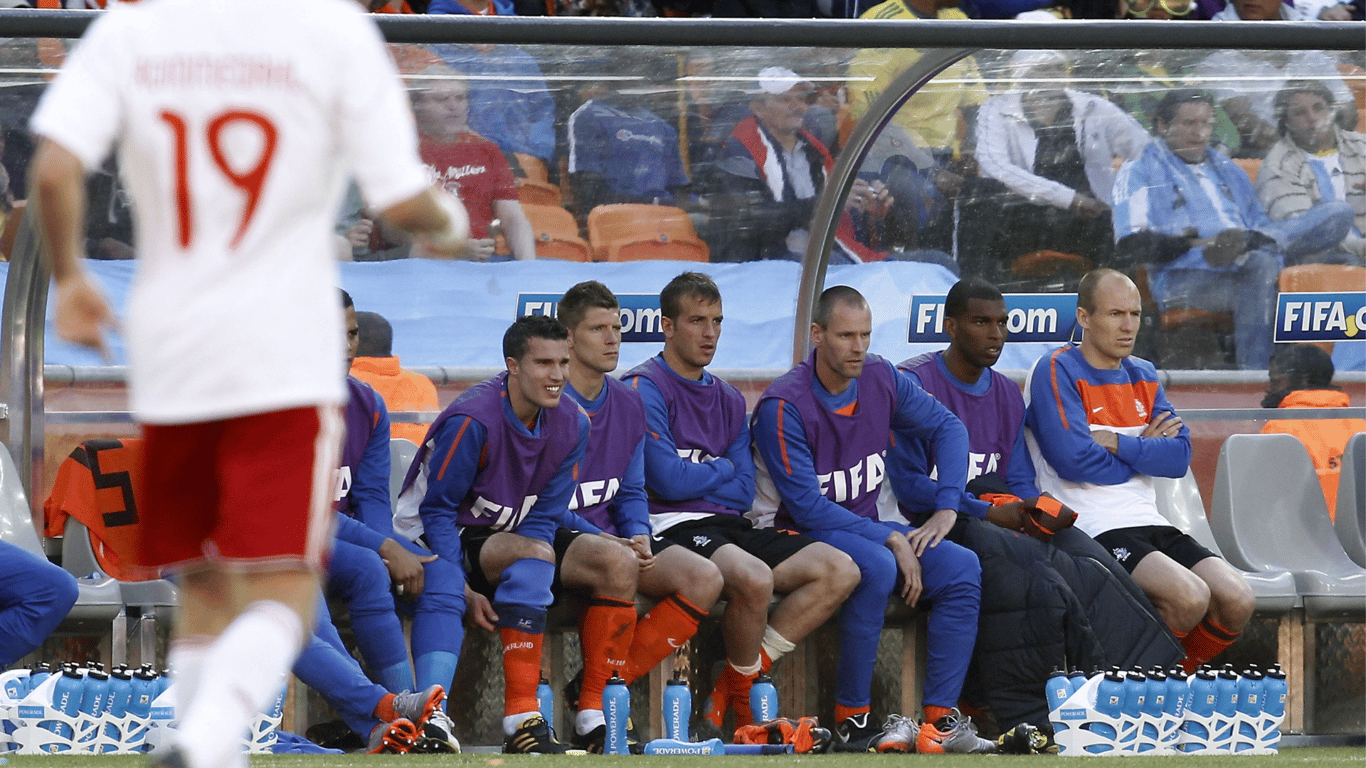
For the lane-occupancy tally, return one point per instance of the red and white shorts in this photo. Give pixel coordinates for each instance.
(250, 490)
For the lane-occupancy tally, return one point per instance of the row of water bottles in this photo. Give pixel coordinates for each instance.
(1167, 711)
(79, 708)
(677, 709)
(83, 708)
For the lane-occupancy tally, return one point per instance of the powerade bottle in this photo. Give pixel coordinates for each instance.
(677, 708)
(1198, 724)
(144, 691)
(163, 679)
(1135, 693)
(1178, 692)
(1273, 709)
(1250, 687)
(120, 693)
(1077, 679)
(545, 701)
(1225, 708)
(1154, 704)
(763, 699)
(96, 688)
(1057, 689)
(1110, 703)
(40, 673)
(66, 698)
(616, 709)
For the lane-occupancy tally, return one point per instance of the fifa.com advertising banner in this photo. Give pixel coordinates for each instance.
(1321, 317)
(1037, 317)
(639, 313)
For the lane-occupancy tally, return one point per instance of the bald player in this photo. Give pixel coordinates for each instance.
(1101, 429)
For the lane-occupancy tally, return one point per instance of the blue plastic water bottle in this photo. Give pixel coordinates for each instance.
(1250, 688)
(1226, 692)
(163, 679)
(1155, 700)
(1135, 692)
(1057, 689)
(40, 673)
(1273, 707)
(677, 709)
(763, 699)
(1178, 693)
(144, 691)
(1203, 693)
(616, 709)
(545, 700)
(1109, 702)
(683, 747)
(1077, 679)
(1110, 694)
(120, 691)
(66, 698)
(96, 689)
(16, 684)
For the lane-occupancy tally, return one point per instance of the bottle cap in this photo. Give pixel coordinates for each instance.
(615, 679)
(144, 673)
(544, 682)
(763, 678)
(676, 680)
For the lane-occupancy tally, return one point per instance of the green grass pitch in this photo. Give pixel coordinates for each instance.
(1312, 757)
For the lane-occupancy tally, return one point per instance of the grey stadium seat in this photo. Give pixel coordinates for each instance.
(1270, 514)
(1351, 514)
(99, 605)
(1179, 501)
(401, 453)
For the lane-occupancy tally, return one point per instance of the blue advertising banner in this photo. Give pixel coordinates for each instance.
(1033, 317)
(639, 313)
(1321, 317)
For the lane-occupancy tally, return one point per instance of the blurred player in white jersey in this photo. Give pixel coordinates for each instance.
(237, 124)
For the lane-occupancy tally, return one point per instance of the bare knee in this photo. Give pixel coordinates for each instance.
(616, 570)
(1183, 603)
(841, 575)
(1232, 604)
(750, 583)
(702, 583)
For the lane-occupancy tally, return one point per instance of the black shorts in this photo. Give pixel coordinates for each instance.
(708, 534)
(473, 539)
(1130, 545)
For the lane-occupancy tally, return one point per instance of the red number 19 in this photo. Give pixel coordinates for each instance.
(250, 182)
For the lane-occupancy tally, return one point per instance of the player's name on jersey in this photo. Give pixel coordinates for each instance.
(1037, 317)
(639, 313)
(1321, 317)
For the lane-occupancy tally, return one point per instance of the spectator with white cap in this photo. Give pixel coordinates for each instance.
(773, 169)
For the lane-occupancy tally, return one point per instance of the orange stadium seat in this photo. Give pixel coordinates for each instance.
(1045, 263)
(1327, 278)
(631, 232)
(532, 167)
(1250, 166)
(533, 192)
(557, 235)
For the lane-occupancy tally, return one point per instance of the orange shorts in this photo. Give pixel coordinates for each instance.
(251, 490)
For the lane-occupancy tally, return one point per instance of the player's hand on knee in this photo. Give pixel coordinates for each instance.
(479, 611)
(405, 568)
(640, 544)
(933, 531)
(909, 567)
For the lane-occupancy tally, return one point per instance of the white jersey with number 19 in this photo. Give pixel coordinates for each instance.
(237, 124)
